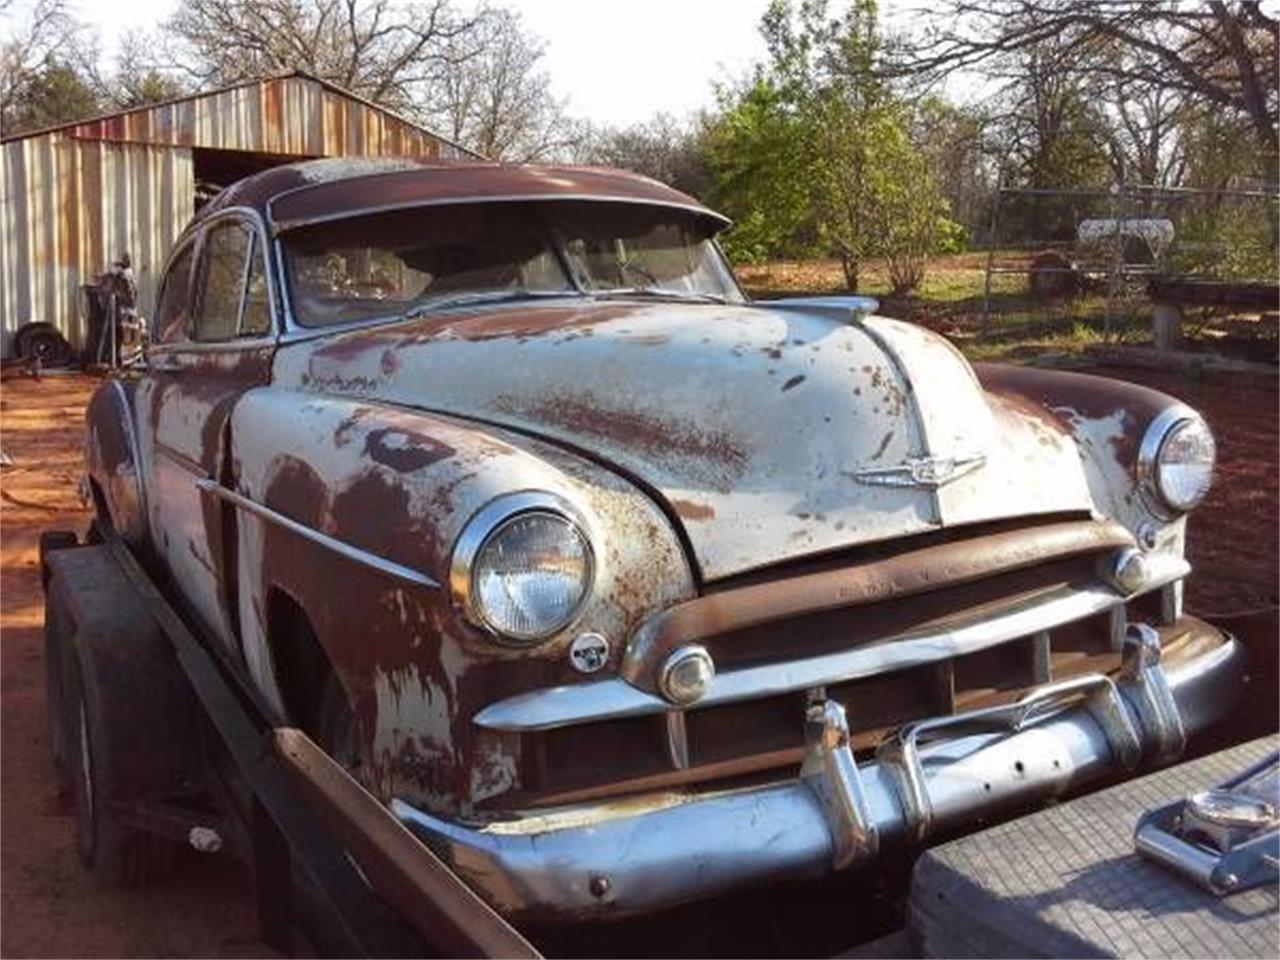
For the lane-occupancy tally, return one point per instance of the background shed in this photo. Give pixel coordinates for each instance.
(76, 196)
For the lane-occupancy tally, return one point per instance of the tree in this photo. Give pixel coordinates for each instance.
(871, 193)
(54, 94)
(391, 53)
(1218, 54)
(138, 79)
(757, 152)
(39, 82)
(663, 148)
(494, 96)
(958, 149)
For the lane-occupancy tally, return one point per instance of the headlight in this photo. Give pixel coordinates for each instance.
(522, 567)
(1177, 460)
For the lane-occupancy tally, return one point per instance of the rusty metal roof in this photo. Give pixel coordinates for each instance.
(174, 122)
(319, 190)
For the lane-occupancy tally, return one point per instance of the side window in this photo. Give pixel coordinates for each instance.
(256, 319)
(226, 246)
(171, 311)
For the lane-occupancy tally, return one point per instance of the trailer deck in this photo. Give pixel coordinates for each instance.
(261, 788)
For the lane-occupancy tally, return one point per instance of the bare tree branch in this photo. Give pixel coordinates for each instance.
(1218, 53)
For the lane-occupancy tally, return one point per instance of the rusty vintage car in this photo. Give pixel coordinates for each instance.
(620, 589)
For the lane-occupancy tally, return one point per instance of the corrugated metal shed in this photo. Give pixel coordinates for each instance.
(74, 197)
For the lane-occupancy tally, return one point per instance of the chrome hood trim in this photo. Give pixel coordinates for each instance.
(758, 425)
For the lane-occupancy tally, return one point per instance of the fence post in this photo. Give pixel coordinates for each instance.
(991, 252)
(1119, 208)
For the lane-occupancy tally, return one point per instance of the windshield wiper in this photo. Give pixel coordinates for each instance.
(660, 293)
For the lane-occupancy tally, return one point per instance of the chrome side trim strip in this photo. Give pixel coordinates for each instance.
(382, 565)
(563, 706)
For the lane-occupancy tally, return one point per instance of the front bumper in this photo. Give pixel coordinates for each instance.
(636, 855)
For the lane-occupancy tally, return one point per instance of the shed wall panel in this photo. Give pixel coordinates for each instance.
(71, 207)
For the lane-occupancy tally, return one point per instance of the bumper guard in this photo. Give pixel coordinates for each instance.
(640, 854)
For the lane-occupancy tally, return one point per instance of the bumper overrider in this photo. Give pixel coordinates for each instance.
(634, 855)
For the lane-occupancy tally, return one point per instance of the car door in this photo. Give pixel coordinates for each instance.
(214, 343)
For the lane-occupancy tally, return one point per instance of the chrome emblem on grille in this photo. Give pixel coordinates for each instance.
(931, 472)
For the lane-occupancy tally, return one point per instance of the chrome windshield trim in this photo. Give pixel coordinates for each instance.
(382, 565)
(562, 706)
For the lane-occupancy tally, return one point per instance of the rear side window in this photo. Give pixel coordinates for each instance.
(256, 319)
(226, 251)
(171, 312)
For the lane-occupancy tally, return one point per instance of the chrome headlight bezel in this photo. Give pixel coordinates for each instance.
(488, 522)
(1158, 433)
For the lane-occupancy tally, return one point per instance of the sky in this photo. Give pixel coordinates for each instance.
(616, 62)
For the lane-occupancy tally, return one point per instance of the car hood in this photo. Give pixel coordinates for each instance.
(771, 432)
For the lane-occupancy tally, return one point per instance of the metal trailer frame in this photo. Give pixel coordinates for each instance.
(374, 889)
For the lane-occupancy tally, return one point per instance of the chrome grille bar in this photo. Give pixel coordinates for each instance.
(562, 706)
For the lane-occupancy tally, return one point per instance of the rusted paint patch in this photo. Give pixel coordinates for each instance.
(720, 454)
(884, 443)
(688, 510)
(403, 451)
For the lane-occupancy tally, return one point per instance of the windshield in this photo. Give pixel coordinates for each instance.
(391, 264)
(636, 248)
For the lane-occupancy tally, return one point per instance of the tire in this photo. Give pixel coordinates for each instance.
(42, 344)
(119, 855)
(56, 633)
(51, 540)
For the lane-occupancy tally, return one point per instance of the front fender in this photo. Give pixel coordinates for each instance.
(401, 485)
(1108, 419)
(112, 461)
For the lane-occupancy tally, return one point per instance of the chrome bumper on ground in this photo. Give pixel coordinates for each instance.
(636, 855)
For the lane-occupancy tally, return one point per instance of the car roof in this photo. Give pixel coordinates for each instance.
(319, 190)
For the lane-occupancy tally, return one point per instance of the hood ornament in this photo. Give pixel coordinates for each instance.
(930, 472)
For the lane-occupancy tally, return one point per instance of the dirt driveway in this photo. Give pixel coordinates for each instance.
(51, 908)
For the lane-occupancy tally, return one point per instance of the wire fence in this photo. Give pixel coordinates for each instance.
(1089, 256)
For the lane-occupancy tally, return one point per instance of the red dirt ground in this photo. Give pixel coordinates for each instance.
(52, 908)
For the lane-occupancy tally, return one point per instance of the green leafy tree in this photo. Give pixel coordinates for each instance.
(757, 156)
(56, 93)
(817, 151)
